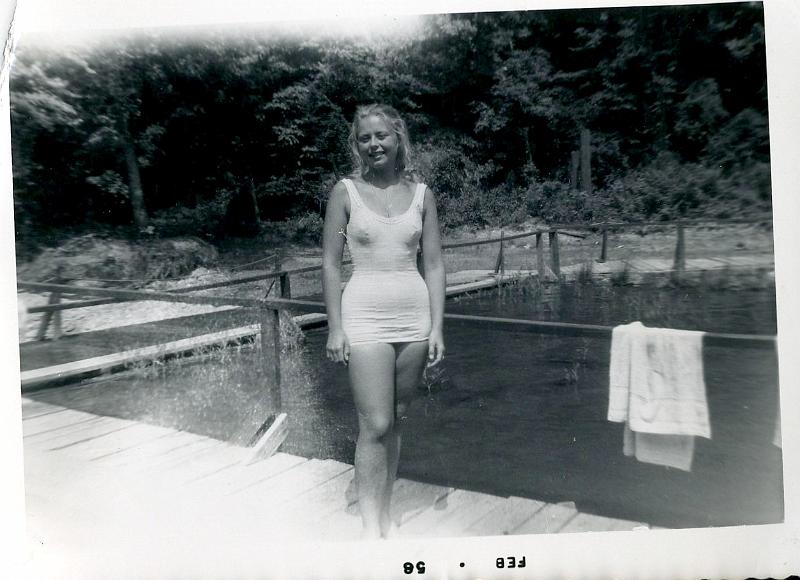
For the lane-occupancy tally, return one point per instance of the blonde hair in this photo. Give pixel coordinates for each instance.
(392, 119)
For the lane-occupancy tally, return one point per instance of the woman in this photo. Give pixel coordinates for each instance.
(388, 320)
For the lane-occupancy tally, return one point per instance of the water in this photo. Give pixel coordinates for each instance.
(511, 413)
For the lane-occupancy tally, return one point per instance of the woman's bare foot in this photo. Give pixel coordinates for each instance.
(390, 531)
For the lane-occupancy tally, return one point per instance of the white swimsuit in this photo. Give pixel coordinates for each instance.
(386, 299)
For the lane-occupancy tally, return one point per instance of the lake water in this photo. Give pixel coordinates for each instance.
(512, 413)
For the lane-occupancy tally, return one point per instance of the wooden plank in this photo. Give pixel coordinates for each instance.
(143, 454)
(319, 501)
(102, 427)
(72, 433)
(705, 264)
(271, 440)
(411, 498)
(30, 418)
(511, 514)
(263, 501)
(457, 522)
(445, 508)
(175, 452)
(32, 408)
(54, 417)
(311, 319)
(35, 405)
(54, 428)
(207, 455)
(244, 475)
(487, 283)
(591, 523)
(322, 515)
(128, 435)
(272, 491)
(550, 519)
(76, 368)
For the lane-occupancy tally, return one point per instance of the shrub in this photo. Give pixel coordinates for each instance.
(445, 165)
(557, 202)
(99, 258)
(665, 189)
(305, 229)
(204, 220)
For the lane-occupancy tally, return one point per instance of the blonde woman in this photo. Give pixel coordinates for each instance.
(387, 323)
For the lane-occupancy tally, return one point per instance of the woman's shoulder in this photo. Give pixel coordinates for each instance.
(339, 193)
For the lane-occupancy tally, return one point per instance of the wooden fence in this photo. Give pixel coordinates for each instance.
(54, 306)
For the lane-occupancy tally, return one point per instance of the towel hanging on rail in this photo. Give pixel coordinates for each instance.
(657, 388)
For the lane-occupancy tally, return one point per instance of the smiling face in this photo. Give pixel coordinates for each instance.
(377, 144)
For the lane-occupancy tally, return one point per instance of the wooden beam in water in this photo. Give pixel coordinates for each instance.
(74, 369)
(271, 440)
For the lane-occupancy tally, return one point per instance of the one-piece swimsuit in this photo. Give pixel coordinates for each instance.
(386, 298)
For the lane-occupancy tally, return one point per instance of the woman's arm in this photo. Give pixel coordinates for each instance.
(434, 275)
(332, 248)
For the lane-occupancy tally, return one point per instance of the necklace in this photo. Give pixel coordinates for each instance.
(387, 198)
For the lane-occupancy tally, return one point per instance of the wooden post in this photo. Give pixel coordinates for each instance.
(604, 246)
(574, 163)
(680, 252)
(273, 431)
(500, 266)
(586, 160)
(53, 316)
(276, 349)
(286, 286)
(554, 257)
(276, 266)
(540, 256)
(271, 361)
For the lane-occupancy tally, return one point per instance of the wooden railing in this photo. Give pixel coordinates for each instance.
(54, 305)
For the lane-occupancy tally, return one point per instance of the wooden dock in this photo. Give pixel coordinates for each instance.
(106, 488)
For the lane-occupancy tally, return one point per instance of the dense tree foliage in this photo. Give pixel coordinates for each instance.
(213, 132)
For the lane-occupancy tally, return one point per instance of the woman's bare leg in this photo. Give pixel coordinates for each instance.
(372, 379)
(410, 363)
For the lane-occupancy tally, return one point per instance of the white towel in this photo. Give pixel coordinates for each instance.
(656, 387)
(668, 450)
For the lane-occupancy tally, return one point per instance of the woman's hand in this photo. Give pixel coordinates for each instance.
(338, 347)
(435, 347)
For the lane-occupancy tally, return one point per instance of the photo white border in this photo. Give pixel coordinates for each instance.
(769, 550)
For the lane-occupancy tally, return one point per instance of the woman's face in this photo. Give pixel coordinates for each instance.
(377, 143)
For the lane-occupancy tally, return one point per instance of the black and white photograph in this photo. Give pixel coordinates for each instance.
(459, 291)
